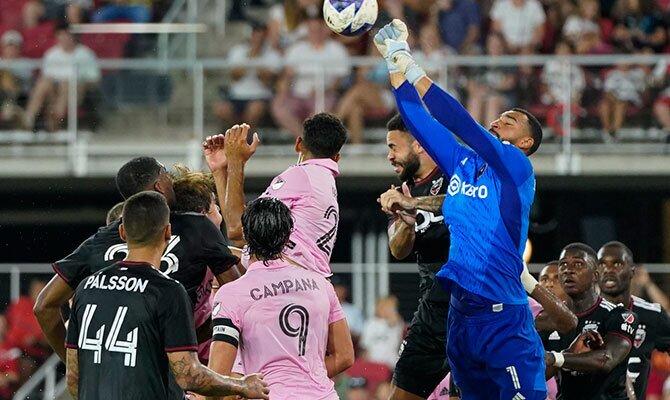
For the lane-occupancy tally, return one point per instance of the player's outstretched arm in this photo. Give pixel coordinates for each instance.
(215, 156)
(340, 348)
(191, 375)
(600, 361)
(556, 316)
(437, 140)
(47, 311)
(72, 373)
(238, 152)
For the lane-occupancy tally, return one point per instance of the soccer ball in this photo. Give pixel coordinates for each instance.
(350, 17)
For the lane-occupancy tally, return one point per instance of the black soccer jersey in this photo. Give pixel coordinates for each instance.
(653, 333)
(124, 320)
(607, 319)
(195, 245)
(431, 243)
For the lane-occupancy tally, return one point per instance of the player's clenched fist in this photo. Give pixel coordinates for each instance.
(399, 205)
(254, 387)
(215, 155)
(236, 145)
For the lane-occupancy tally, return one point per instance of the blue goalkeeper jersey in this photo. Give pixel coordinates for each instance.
(488, 199)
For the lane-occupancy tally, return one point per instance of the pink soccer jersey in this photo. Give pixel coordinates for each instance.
(309, 191)
(278, 315)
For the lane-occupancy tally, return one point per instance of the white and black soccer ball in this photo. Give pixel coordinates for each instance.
(350, 17)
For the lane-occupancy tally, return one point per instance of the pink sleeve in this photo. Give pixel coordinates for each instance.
(336, 312)
(223, 306)
(535, 307)
(289, 187)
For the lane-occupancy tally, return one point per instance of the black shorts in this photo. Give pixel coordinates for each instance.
(423, 356)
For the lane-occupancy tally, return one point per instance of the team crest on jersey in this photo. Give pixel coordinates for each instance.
(216, 309)
(640, 335)
(437, 185)
(590, 326)
(276, 185)
(628, 317)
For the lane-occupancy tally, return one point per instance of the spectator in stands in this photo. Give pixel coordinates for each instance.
(392, 9)
(249, 92)
(638, 26)
(491, 89)
(644, 286)
(582, 29)
(33, 13)
(137, 11)
(14, 82)
(354, 314)
(58, 67)
(660, 75)
(71, 11)
(383, 333)
(432, 54)
(357, 388)
(9, 366)
(623, 85)
(24, 332)
(369, 97)
(459, 22)
(555, 86)
(297, 88)
(286, 22)
(521, 22)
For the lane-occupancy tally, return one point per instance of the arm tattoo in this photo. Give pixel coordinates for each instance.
(193, 376)
(72, 373)
(431, 203)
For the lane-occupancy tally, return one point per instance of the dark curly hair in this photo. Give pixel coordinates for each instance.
(323, 135)
(267, 225)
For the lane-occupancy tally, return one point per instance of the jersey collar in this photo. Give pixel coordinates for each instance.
(590, 309)
(134, 264)
(324, 162)
(271, 264)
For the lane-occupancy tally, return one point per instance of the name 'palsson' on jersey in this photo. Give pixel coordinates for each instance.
(283, 287)
(129, 284)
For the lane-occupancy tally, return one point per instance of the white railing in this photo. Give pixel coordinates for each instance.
(80, 150)
(45, 375)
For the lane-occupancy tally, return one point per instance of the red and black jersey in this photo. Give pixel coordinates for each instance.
(653, 333)
(196, 244)
(431, 243)
(607, 319)
(124, 321)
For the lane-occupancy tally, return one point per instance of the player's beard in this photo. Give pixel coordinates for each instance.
(410, 166)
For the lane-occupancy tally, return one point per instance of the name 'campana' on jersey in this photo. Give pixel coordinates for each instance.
(283, 287)
(129, 284)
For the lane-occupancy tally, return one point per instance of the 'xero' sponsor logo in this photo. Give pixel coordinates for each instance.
(456, 186)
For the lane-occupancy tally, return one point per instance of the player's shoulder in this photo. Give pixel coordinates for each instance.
(643, 306)
(608, 305)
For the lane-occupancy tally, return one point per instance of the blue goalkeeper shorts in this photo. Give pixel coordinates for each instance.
(494, 350)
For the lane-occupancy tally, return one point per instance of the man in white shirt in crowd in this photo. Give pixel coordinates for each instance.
(297, 88)
(59, 65)
(521, 22)
(250, 89)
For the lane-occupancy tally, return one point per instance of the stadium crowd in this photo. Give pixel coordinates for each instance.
(603, 97)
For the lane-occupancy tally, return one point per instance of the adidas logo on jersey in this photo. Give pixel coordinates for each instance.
(554, 336)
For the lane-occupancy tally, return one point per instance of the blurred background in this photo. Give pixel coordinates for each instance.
(86, 85)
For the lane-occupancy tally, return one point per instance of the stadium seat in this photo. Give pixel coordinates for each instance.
(11, 13)
(37, 40)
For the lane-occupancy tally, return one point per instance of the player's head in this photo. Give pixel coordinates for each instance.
(194, 192)
(146, 221)
(520, 128)
(616, 265)
(267, 225)
(549, 279)
(405, 153)
(578, 269)
(114, 213)
(145, 173)
(323, 136)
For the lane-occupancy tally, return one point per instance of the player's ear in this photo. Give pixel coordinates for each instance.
(122, 232)
(168, 232)
(298, 144)
(526, 143)
(337, 157)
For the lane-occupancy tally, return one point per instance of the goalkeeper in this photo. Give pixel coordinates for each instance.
(493, 348)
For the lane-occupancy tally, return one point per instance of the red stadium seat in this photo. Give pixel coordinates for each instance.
(106, 45)
(37, 40)
(11, 13)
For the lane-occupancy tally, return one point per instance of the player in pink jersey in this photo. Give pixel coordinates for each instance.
(285, 318)
(308, 188)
